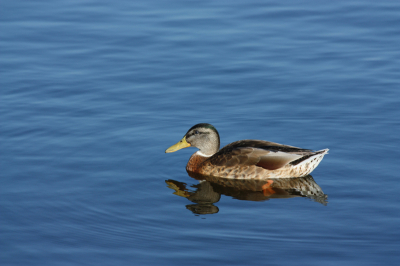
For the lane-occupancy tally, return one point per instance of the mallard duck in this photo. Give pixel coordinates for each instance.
(245, 159)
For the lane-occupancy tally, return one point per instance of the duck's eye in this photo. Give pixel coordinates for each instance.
(196, 132)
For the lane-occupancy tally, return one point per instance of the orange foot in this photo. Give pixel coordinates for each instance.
(266, 188)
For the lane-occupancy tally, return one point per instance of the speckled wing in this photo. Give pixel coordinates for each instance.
(268, 155)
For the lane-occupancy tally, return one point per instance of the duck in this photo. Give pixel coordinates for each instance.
(245, 159)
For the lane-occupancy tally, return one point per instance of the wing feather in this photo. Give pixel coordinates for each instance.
(247, 156)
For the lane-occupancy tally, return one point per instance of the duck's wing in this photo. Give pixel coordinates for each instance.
(268, 155)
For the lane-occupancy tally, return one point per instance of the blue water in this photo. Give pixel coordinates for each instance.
(93, 92)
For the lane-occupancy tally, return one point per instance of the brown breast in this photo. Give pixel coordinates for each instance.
(195, 162)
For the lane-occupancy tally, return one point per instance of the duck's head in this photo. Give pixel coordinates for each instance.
(202, 136)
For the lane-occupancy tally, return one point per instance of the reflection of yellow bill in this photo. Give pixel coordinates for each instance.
(180, 145)
(177, 192)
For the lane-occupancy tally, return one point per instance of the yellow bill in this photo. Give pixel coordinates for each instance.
(180, 145)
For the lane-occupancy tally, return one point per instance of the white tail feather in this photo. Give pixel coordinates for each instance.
(317, 158)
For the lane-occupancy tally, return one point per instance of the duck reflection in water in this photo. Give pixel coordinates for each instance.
(209, 190)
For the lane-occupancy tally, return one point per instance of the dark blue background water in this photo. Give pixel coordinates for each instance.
(93, 92)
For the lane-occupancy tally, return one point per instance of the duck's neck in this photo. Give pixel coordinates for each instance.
(195, 161)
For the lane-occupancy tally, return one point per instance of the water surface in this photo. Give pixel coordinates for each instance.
(93, 92)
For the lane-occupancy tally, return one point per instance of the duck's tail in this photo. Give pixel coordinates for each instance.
(309, 162)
